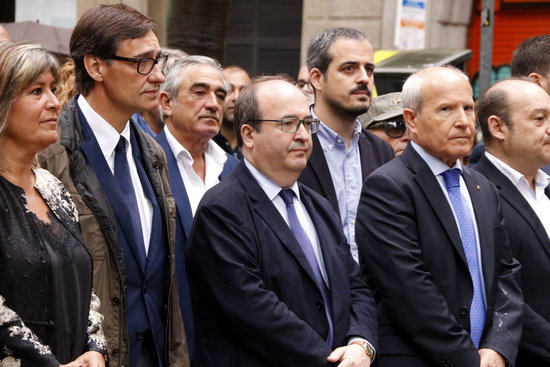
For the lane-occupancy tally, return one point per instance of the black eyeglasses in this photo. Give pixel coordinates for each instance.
(291, 125)
(144, 65)
(393, 129)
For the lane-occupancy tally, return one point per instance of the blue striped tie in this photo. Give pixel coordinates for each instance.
(468, 237)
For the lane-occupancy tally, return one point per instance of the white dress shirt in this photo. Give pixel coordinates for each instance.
(214, 160)
(107, 137)
(537, 199)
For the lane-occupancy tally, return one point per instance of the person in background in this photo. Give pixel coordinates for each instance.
(118, 178)
(191, 101)
(302, 82)
(514, 116)
(149, 120)
(238, 79)
(48, 311)
(67, 88)
(272, 280)
(340, 63)
(430, 231)
(530, 59)
(385, 120)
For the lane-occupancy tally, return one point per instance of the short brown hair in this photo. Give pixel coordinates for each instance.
(100, 32)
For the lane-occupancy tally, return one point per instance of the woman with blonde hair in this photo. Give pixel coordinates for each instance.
(48, 312)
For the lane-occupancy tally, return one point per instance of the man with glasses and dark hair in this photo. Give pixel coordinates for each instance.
(272, 279)
(117, 177)
(385, 120)
(340, 63)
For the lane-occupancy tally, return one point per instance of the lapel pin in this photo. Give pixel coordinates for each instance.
(478, 188)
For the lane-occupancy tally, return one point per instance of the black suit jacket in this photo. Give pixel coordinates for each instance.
(255, 299)
(374, 153)
(410, 244)
(531, 246)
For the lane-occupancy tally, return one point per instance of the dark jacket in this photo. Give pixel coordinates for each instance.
(27, 295)
(374, 153)
(531, 246)
(67, 161)
(409, 239)
(255, 299)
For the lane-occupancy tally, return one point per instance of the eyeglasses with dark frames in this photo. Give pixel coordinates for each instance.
(291, 125)
(146, 64)
(393, 129)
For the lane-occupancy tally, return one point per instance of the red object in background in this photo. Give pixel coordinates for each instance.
(514, 21)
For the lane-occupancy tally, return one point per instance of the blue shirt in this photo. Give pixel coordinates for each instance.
(347, 177)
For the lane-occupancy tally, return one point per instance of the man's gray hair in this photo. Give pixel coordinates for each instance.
(174, 78)
(411, 94)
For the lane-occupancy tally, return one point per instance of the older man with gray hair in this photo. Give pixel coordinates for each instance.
(191, 101)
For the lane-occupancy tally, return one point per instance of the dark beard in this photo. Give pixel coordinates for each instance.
(347, 113)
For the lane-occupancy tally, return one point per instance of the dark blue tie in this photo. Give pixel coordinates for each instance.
(124, 180)
(468, 237)
(288, 197)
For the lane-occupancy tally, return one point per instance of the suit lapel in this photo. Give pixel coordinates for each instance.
(272, 218)
(319, 166)
(94, 156)
(477, 191)
(178, 187)
(429, 185)
(510, 194)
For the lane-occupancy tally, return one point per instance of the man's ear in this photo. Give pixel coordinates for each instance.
(247, 134)
(166, 103)
(94, 67)
(497, 128)
(315, 78)
(409, 115)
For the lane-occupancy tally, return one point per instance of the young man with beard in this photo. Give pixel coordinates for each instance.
(340, 62)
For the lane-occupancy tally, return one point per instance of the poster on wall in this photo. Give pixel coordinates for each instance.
(410, 27)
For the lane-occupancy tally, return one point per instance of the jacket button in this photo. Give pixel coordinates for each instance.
(139, 335)
(319, 305)
(144, 288)
(115, 301)
(463, 312)
(115, 352)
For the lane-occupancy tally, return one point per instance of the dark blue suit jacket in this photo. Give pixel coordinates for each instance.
(255, 297)
(374, 152)
(531, 246)
(411, 247)
(184, 218)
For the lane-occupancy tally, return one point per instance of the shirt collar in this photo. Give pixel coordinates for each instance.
(212, 150)
(329, 138)
(542, 180)
(437, 166)
(270, 188)
(106, 135)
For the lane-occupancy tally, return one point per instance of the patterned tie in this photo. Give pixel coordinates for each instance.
(468, 237)
(288, 197)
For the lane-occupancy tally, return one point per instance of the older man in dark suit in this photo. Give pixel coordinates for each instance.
(272, 280)
(430, 232)
(191, 101)
(515, 119)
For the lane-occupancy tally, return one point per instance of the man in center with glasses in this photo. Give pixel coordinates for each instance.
(385, 120)
(272, 279)
(117, 176)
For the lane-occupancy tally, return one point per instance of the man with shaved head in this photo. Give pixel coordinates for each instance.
(430, 232)
(514, 116)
